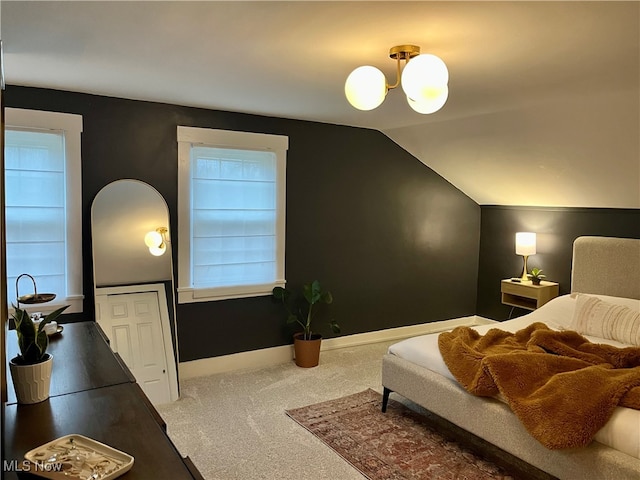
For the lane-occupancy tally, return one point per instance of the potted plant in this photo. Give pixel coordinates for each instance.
(536, 276)
(31, 368)
(300, 310)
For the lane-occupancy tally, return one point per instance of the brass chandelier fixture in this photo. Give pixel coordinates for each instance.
(424, 80)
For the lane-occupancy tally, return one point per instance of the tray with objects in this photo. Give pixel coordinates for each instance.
(78, 457)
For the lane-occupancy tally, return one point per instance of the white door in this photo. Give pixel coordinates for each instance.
(132, 323)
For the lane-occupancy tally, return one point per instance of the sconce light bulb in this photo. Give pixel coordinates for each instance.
(158, 251)
(153, 239)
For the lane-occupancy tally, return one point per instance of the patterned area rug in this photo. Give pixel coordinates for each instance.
(390, 446)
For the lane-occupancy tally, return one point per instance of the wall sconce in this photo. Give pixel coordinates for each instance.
(156, 240)
(525, 246)
(424, 81)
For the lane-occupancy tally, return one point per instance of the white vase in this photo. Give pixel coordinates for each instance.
(31, 382)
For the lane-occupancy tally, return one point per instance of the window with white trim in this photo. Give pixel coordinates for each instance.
(231, 213)
(43, 206)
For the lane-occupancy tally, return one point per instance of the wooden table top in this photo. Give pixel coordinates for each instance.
(82, 360)
(112, 415)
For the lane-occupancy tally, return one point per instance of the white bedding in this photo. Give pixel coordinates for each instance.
(621, 432)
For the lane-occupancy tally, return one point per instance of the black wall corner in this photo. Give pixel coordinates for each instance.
(556, 229)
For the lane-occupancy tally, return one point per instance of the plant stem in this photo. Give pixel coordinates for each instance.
(308, 329)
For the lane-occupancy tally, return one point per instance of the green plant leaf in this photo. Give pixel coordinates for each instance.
(33, 342)
(52, 316)
(335, 328)
(279, 293)
(327, 297)
(312, 292)
(41, 343)
(25, 330)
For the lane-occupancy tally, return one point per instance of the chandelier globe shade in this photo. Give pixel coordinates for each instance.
(365, 87)
(435, 99)
(422, 74)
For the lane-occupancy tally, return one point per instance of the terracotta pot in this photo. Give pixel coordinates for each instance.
(307, 352)
(31, 382)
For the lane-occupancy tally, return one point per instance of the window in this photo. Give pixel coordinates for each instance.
(231, 213)
(43, 205)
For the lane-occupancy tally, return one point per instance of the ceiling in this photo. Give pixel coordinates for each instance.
(290, 59)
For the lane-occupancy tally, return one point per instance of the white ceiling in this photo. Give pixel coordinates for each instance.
(290, 59)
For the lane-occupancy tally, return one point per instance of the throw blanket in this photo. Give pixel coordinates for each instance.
(562, 387)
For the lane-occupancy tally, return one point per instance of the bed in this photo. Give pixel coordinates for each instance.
(607, 269)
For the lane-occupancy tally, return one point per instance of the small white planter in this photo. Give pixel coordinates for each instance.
(31, 382)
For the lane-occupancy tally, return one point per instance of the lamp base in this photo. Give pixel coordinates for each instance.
(524, 277)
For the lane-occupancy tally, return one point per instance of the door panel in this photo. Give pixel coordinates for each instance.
(121, 343)
(133, 325)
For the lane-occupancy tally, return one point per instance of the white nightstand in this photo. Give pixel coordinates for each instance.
(526, 295)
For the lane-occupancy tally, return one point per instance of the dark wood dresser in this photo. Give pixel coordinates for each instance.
(94, 394)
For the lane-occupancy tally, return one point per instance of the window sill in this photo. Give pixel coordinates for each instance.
(193, 295)
(75, 306)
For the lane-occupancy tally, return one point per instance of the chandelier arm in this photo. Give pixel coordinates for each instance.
(398, 74)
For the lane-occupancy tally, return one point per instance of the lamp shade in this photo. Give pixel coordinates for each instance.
(365, 87)
(437, 97)
(525, 243)
(422, 74)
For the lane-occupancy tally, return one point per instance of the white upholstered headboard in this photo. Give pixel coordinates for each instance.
(606, 266)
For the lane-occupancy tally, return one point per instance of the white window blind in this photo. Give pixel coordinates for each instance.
(232, 244)
(42, 206)
(234, 217)
(35, 210)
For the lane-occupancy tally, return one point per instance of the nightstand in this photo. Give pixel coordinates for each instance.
(526, 295)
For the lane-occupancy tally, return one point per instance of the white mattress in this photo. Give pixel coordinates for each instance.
(621, 432)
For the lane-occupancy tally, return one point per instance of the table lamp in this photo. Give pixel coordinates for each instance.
(525, 246)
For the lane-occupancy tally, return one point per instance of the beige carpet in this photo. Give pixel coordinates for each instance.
(234, 426)
(396, 445)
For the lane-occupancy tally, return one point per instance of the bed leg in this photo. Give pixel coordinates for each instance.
(385, 398)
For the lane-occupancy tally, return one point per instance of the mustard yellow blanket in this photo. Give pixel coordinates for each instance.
(562, 387)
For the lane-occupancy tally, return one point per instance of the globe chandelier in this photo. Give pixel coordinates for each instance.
(424, 80)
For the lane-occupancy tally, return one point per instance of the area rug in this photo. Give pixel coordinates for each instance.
(390, 446)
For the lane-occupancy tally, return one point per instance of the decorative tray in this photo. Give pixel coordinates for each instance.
(78, 457)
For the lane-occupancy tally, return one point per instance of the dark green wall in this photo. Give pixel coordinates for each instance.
(394, 242)
(556, 229)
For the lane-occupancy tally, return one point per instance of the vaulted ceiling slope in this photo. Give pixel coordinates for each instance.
(544, 101)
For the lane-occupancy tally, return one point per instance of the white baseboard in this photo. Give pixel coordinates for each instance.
(277, 355)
